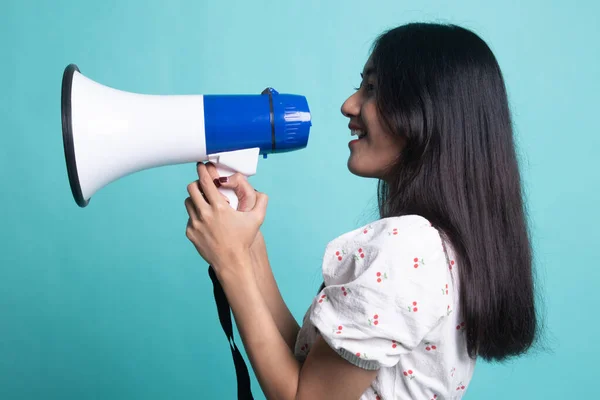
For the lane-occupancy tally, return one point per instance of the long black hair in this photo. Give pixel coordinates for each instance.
(441, 88)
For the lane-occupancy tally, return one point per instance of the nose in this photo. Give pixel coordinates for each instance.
(351, 107)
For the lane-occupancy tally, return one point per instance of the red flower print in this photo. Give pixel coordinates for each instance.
(429, 346)
(381, 276)
(394, 344)
(338, 329)
(367, 229)
(323, 298)
(460, 327)
(375, 320)
(304, 348)
(451, 265)
(413, 307)
(409, 374)
(448, 310)
(393, 232)
(345, 291)
(445, 290)
(339, 254)
(452, 371)
(434, 397)
(359, 254)
(460, 386)
(377, 397)
(418, 262)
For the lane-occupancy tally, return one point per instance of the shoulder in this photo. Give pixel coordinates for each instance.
(404, 244)
(392, 234)
(406, 226)
(384, 285)
(391, 225)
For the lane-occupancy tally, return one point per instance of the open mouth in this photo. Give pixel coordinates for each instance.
(356, 132)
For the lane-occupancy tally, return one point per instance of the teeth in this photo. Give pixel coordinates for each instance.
(356, 132)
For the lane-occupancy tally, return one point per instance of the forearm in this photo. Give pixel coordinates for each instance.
(265, 280)
(272, 360)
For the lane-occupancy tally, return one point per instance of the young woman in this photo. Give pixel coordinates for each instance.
(411, 300)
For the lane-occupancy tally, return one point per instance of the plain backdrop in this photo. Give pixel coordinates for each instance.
(113, 302)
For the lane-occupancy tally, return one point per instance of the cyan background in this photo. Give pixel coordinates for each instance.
(113, 302)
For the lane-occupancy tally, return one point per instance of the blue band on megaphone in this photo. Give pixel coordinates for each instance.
(270, 121)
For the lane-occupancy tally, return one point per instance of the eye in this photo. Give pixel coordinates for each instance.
(368, 86)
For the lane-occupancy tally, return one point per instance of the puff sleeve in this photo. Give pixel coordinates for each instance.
(384, 290)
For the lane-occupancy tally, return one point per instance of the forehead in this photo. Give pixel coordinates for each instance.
(368, 69)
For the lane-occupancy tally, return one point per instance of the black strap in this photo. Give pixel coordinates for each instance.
(241, 371)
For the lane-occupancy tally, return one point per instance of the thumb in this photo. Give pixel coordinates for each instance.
(260, 208)
(242, 189)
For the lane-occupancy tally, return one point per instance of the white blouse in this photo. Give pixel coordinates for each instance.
(391, 303)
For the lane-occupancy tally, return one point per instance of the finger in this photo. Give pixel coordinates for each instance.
(208, 186)
(212, 171)
(238, 182)
(191, 209)
(242, 189)
(189, 230)
(214, 175)
(198, 199)
(260, 209)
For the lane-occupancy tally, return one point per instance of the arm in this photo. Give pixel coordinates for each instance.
(224, 237)
(324, 374)
(286, 324)
(285, 321)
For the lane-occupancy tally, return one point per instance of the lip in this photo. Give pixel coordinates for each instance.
(355, 127)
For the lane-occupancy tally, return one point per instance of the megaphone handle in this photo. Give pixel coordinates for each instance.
(229, 193)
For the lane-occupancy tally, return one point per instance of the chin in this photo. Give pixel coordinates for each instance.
(360, 170)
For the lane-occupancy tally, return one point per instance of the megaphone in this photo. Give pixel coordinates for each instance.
(109, 133)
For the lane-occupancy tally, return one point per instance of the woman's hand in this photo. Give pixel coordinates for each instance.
(239, 184)
(246, 195)
(263, 275)
(223, 236)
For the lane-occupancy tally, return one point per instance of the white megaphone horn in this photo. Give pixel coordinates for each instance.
(108, 133)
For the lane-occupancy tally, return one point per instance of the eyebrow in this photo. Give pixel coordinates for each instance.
(368, 71)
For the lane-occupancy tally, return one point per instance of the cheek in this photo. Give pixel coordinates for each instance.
(386, 147)
(382, 140)
(387, 154)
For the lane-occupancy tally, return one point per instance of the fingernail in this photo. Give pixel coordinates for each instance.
(224, 179)
(217, 183)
